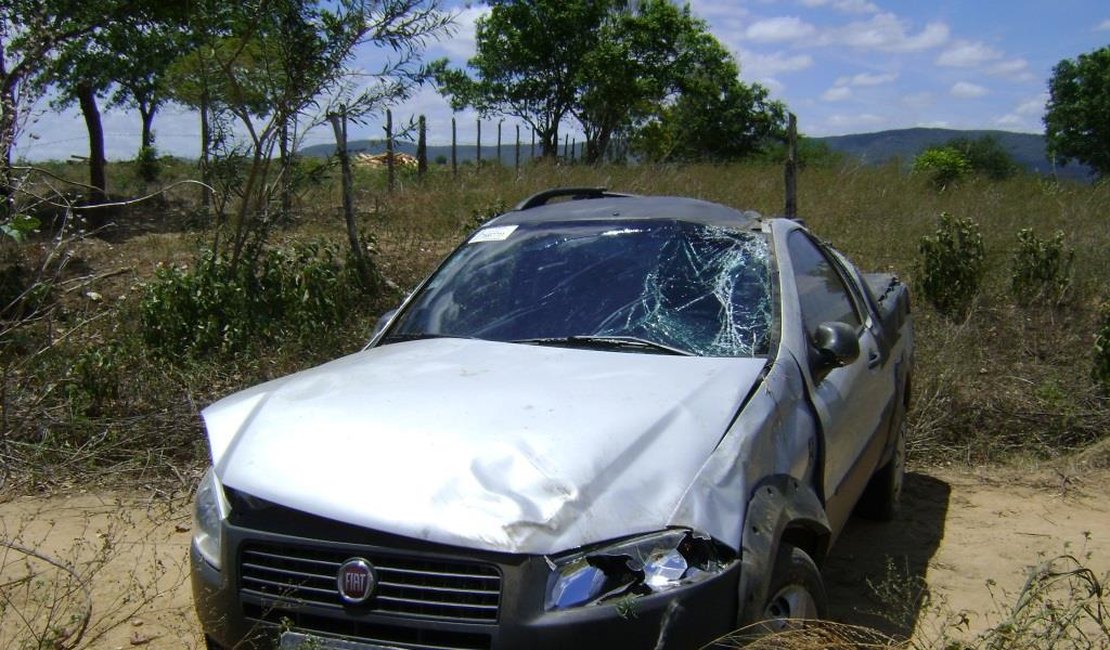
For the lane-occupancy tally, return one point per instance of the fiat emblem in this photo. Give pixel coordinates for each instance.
(356, 580)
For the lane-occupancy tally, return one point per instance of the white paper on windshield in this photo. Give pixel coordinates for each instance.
(497, 233)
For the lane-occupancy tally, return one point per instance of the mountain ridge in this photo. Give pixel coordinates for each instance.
(1028, 150)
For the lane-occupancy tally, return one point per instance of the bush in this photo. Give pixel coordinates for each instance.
(302, 293)
(147, 164)
(1042, 270)
(944, 165)
(952, 264)
(1102, 349)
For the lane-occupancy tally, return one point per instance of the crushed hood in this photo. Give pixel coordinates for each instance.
(494, 446)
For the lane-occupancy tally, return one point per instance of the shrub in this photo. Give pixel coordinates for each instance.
(944, 165)
(147, 164)
(1102, 348)
(952, 264)
(1042, 270)
(301, 293)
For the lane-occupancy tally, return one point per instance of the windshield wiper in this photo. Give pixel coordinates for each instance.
(607, 342)
(419, 336)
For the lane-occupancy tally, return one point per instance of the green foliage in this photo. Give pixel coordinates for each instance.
(1041, 269)
(1077, 118)
(216, 308)
(479, 216)
(19, 226)
(944, 165)
(147, 164)
(614, 69)
(985, 156)
(951, 265)
(1101, 371)
(95, 378)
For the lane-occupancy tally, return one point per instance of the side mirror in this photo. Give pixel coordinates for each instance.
(837, 345)
(383, 320)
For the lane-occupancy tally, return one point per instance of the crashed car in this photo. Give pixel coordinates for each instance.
(605, 421)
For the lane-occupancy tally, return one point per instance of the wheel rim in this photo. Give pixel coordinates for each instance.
(792, 604)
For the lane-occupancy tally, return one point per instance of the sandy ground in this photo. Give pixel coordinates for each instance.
(959, 530)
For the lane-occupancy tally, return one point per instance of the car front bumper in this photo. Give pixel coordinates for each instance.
(234, 610)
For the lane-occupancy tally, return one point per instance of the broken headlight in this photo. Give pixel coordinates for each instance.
(634, 567)
(209, 510)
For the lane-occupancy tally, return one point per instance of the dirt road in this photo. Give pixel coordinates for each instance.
(959, 529)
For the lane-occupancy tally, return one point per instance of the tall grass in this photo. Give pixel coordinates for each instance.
(1006, 380)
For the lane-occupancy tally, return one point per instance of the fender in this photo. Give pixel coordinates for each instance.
(782, 508)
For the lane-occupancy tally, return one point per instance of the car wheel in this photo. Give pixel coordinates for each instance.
(796, 592)
(884, 492)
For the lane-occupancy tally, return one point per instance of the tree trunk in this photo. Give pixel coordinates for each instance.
(7, 134)
(339, 125)
(286, 170)
(146, 112)
(86, 96)
(205, 145)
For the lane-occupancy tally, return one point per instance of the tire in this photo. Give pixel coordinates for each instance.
(796, 592)
(883, 495)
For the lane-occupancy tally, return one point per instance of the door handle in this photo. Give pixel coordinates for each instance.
(874, 360)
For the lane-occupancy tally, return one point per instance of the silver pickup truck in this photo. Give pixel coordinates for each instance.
(605, 421)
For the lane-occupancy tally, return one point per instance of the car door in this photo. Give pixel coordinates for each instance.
(849, 400)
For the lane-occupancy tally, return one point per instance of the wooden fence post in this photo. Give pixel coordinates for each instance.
(516, 158)
(499, 141)
(479, 143)
(454, 149)
(389, 148)
(791, 171)
(422, 148)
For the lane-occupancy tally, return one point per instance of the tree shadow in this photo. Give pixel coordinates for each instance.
(875, 574)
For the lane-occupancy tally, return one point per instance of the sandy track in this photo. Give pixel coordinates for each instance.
(959, 529)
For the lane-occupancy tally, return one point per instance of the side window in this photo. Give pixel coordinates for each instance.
(821, 290)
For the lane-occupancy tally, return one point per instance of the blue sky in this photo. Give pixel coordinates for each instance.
(843, 66)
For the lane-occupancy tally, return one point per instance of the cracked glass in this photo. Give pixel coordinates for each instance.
(695, 288)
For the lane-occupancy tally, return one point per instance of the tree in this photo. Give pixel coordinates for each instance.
(1077, 119)
(528, 62)
(612, 65)
(985, 156)
(713, 115)
(274, 68)
(31, 31)
(633, 67)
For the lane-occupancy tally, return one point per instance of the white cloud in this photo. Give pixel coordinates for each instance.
(964, 54)
(461, 44)
(847, 6)
(754, 65)
(837, 94)
(1013, 68)
(967, 90)
(1033, 107)
(783, 28)
(887, 33)
(867, 79)
(1104, 26)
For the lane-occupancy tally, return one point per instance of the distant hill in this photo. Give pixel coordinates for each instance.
(1027, 149)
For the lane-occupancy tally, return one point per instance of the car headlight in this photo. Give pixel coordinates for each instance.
(635, 567)
(209, 510)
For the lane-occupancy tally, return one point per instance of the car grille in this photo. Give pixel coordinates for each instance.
(296, 585)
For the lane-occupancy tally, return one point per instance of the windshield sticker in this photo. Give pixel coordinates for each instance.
(497, 233)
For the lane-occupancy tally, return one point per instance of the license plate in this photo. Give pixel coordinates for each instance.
(301, 641)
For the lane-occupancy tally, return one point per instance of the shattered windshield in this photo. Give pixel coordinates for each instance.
(695, 288)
